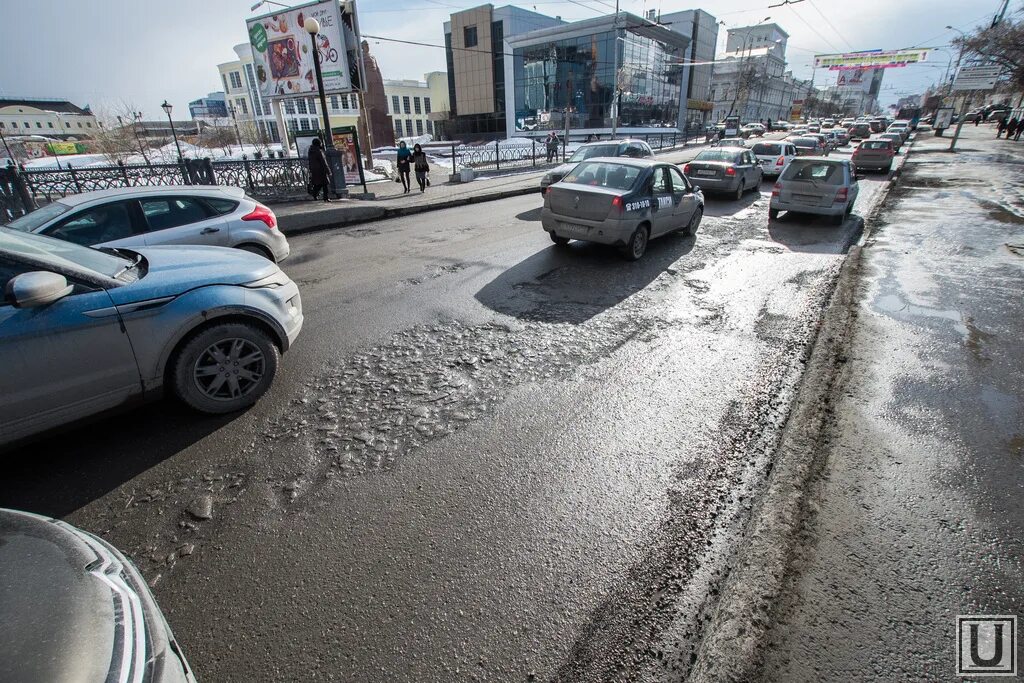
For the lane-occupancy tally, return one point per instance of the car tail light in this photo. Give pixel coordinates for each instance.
(781, 161)
(262, 213)
(686, 169)
(841, 196)
(777, 190)
(617, 204)
(730, 171)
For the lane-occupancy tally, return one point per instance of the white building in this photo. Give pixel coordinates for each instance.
(411, 104)
(49, 117)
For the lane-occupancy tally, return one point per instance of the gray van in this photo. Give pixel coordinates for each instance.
(827, 187)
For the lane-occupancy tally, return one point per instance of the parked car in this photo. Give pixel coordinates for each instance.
(151, 216)
(816, 185)
(875, 154)
(84, 330)
(635, 149)
(774, 157)
(896, 138)
(73, 607)
(752, 130)
(781, 125)
(859, 131)
(901, 127)
(622, 202)
(807, 145)
(732, 170)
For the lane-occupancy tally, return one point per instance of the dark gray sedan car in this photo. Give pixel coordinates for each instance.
(623, 202)
(635, 149)
(732, 170)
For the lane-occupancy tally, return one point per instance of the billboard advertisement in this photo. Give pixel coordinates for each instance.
(876, 59)
(283, 52)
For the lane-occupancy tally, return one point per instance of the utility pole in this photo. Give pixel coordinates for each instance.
(615, 72)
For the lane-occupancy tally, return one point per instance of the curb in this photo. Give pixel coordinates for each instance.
(732, 646)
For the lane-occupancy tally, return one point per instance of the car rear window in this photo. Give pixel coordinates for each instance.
(818, 172)
(716, 155)
(603, 174)
(594, 151)
(876, 144)
(766, 149)
(220, 206)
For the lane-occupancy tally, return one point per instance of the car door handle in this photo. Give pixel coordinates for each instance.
(207, 231)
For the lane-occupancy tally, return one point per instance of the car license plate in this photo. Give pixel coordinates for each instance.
(575, 228)
(705, 172)
(806, 198)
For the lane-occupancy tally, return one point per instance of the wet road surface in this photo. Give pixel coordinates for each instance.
(486, 458)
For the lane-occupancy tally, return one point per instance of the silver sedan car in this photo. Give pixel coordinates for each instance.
(149, 216)
(623, 202)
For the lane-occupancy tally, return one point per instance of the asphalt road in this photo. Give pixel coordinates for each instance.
(486, 458)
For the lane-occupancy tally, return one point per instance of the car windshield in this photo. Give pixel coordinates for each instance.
(60, 253)
(604, 174)
(767, 149)
(716, 155)
(594, 151)
(818, 172)
(876, 144)
(41, 216)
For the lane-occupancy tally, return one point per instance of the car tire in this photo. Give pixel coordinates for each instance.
(258, 250)
(196, 371)
(691, 228)
(773, 214)
(838, 220)
(559, 241)
(739, 192)
(637, 245)
(849, 208)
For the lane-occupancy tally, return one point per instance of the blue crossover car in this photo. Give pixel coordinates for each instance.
(84, 330)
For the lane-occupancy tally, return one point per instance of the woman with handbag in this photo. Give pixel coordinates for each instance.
(419, 162)
(404, 158)
(319, 171)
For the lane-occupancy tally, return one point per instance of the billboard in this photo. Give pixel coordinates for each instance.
(283, 52)
(876, 59)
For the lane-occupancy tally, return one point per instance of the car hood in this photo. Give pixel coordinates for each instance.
(73, 608)
(562, 170)
(172, 270)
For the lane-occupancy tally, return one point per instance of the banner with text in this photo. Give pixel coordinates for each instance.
(876, 59)
(283, 51)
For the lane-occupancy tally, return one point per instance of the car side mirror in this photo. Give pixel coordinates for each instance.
(38, 288)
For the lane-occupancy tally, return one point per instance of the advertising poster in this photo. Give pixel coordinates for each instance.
(283, 51)
(345, 142)
(876, 59)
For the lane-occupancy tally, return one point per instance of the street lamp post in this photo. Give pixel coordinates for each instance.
(238, 136)
(312, 27)
(167, 109)
(138, 138)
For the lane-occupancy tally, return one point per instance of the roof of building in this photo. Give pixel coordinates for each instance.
(62, 106)
(631, 22)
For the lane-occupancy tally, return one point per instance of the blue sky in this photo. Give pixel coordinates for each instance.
(102, 52)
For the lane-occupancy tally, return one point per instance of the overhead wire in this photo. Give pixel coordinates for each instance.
(834, 29)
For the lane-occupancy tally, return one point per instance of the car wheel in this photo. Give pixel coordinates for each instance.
(838, 220)
(258, 250)
(224, 368)
(637, 244)
(739, 192)
(691, 228)
(773, 214)
(849, 208)
(559, 241)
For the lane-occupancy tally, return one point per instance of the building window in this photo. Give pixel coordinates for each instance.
(416, 104)
(88, 124)
(316, 124)
(394, 105)
(419, 126)
(312, 105)
(244, 107)
(430, 127)
(40, 125)
(289, 106)
(426, 105)
(398, 128)
(301, 103)
(405, 105)
(14, 124)
(2, 124)
(225, 79)
(304, 124)
(236, 80)
(334, 103)
(469, 36)
(66, 123)
(408, 127)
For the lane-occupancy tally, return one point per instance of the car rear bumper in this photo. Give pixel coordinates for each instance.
(728, 184)
(872, 164)
(615, 232)
(778, 204)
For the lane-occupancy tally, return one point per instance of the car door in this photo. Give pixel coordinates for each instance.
(62, 361)
(752, 169)
(685, 201)
(181, 219)
(661, 202)
(111, 224)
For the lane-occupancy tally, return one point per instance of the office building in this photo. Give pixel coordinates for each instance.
(702, 30)
(416, 106)
(213, 106)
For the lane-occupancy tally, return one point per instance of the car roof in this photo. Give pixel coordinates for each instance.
(617, 141)
(117, 192)
(627, 161)
(823, 160)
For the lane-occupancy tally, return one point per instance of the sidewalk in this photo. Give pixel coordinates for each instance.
(309, 216)
(917, 512)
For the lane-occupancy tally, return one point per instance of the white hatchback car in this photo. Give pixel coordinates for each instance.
(774, 157)
(152, 216)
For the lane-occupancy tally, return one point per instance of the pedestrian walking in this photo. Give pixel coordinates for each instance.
(1001, 127)
(404, 159)
(420, 165)
(1020, 129)
(552, 144)
(319, 171)
(1011, 127)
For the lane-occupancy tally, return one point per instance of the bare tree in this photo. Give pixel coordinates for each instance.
(252, 133)
(1002, 44)
(119, 137)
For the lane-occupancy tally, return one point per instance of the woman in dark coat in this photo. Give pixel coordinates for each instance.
(421, 166)
(404, 156)
(1011, 127)
(319, 171)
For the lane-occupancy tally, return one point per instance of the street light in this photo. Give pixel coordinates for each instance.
(167, 109)
(231, 108)
(312, 27)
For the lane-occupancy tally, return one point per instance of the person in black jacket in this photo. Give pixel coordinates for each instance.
(319, 171)
(421, 166)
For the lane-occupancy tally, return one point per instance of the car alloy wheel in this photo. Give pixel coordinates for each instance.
(229, 369)
(637, 244)
(691, 229)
